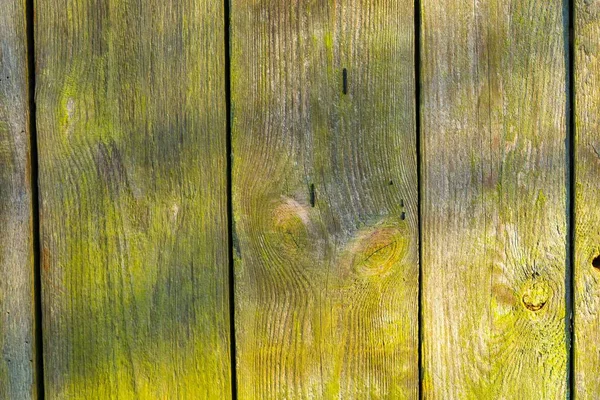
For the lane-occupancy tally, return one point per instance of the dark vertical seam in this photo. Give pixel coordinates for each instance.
(35, 204)
(570, 200)
(417, 60)
(230, 222)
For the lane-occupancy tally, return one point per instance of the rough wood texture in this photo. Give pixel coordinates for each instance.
(325, 199)
(17, 376)
(132, 140)
(494, 199)
(587, 212)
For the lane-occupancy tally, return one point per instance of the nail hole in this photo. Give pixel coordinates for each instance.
(403, 215)
(312, 194)
(391, 182)
(596, 262)
(401, 202)
(345, 80)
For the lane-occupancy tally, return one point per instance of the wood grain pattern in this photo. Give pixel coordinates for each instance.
(325, 199)
(17, 374)
(494, 207)
(132, 139)
(587, 213)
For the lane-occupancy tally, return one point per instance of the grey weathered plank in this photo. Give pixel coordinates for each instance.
(494, 199)
(132, 142)
(587, 213)
(325, 199)
(17, 372)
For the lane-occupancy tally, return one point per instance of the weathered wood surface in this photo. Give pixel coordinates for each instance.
(325, 199)
(587, 210)
(494, 206)
(132, 150)
(17, 372)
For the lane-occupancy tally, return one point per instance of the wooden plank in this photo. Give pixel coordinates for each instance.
(325, 199)
(587, 216)
(494, 199)
(17, 373)
(132, 139)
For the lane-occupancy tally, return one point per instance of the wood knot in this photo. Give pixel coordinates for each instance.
(377, 250)
(292, 220)
(536, 295)
(290, 213)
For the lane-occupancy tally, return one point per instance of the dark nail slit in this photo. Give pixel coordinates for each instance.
(345, 80)
(401, 202)
(596, 262)
(312, 194)
(403, 216)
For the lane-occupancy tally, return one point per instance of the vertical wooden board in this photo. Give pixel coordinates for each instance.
(494, 199)
(587, 215)
(17, 375)
(325, 199)
(132, 140)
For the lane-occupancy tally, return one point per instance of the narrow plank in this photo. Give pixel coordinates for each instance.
(132, 140)
(17, 372)
(587, 216)
(494, 199)
(325, 199)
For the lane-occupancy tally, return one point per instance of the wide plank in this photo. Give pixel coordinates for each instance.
(17, 371)
(133, 186)
(325, 199)
(587, 213)
(494, 191)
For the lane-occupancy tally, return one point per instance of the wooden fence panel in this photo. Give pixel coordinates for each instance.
(132, 150)
(494, 95)
(17, 372)
(587, 212)
(325, 199)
